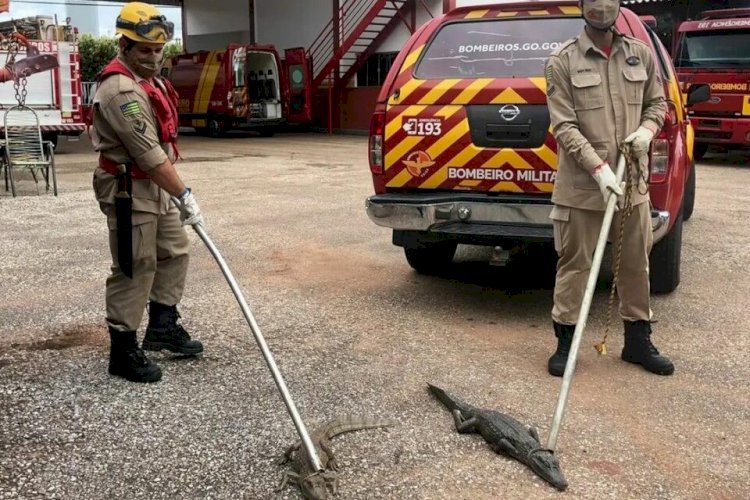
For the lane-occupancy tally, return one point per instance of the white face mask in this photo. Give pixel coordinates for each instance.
(601, 14)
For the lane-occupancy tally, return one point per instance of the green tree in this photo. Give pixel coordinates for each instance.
(97, 51)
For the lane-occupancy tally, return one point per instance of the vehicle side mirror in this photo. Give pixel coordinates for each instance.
(698, 93)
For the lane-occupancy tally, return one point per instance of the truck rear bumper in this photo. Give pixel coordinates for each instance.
(464, 215)
(721, 130)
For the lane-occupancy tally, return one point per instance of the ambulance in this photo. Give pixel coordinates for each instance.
(461, 150)
(242, 87)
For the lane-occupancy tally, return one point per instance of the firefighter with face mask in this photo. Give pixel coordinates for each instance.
(135, 132)
(603, 91)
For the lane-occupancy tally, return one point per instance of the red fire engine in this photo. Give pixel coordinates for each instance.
(242, 87)
(714, 50)
(55, 95)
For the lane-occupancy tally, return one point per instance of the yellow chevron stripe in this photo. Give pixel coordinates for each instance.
(507, 14)
(395, 125)
(399, 151)
(474, 14)
(201, 83)
(508, 96)
(508, 156)
(408, 143)
(411, 59)
(540, 83)
(208, 87)
(746, 105)
(407, 89)
(539, 12)
(464, 156)
(546, 154)
(468, 183)
(506, 186)
(439, 90)
(402, 178)
(467, 95)
(449, 138)
(544, 187)
(570, 10)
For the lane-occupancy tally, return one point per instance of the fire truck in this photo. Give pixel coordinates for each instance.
(714, 50)
(55, 95)
(242, 87)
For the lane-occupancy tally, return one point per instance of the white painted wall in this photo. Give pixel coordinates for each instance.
(291, 23)
(213, 24)
(400, 35)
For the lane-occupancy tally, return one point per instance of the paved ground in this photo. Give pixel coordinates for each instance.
(354, 330)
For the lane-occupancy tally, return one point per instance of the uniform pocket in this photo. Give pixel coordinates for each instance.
(635, 82)
(560, 216)
(582, 178)
(587, 91)
(145, 189)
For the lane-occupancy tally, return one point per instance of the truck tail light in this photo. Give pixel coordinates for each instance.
(660, 146)
(659, 158)
(377, 129)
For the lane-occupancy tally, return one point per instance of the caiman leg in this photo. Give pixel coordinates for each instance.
(464, 426)
(504, 446)
(288, 475)
(325, 447)
(288, 454)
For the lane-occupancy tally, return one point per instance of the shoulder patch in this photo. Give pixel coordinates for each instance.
(564, 46)
(131, 108)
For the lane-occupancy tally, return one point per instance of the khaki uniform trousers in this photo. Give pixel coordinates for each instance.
(160, 262)
(576, 233)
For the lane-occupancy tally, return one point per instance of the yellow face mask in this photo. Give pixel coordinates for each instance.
(601, 14)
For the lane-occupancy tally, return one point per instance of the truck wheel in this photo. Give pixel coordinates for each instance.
(216, 128)
(665, 260)
(267, 131)
(699, 150)
(688, 203)
(431, 258)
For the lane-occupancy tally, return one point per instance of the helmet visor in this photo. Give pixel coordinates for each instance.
(157, 29)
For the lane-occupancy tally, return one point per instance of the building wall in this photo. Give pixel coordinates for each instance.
(211, 28)
(291, 23)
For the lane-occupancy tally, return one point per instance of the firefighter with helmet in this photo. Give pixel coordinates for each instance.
(135, 132)
(603, 91)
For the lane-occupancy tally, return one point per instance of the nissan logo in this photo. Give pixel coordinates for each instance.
(509, 112)
(715, 100)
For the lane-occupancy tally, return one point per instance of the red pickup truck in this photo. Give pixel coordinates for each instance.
(461, 150)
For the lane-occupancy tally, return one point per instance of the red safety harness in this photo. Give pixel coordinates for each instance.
(165, 111)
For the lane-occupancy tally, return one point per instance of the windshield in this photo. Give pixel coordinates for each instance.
(715, 49)
(495, 49)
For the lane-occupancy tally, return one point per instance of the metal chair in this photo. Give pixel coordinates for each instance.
(25, 150)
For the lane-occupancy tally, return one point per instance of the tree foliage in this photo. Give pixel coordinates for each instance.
(97, 51)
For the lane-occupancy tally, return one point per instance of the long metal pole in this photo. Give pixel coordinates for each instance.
(585, 307)
(290, 406)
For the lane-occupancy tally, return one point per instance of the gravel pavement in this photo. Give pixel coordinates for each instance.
(354, 331)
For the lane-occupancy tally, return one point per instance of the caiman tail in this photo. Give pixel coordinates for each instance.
(449, 401)
(345, 424)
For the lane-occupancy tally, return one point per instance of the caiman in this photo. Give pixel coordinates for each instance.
(319, 485)
(505, 435)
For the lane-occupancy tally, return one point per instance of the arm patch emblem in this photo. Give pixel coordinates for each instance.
(130, 109)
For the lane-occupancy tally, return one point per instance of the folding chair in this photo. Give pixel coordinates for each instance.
(25, 150)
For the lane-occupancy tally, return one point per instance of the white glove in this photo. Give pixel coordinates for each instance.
(607, 181)
(640, 140)
(190, 213)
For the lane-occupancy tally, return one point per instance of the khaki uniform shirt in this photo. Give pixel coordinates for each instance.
(595, 102)
(125, 129)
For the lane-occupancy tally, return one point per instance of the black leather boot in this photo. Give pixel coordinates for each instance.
(164, 332)
(564, 334)
(639, 349)
(127, 360)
